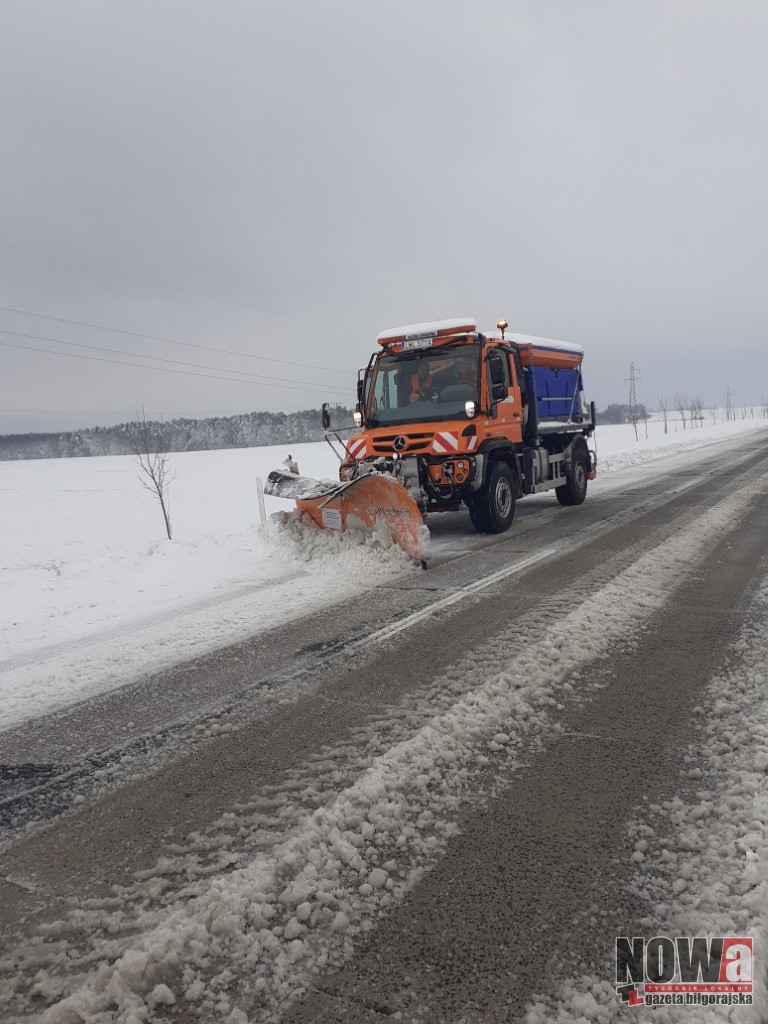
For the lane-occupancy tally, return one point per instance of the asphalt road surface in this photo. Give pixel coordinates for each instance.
(445, 768)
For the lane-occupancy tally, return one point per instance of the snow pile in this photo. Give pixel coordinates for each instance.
(249, 935)
(429, 327)
(364, 553)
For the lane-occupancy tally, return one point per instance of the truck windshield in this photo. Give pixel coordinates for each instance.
(428, 385)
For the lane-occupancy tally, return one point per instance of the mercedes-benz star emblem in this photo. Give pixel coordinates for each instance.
(399, 443)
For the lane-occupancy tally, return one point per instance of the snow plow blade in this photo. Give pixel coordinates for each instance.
(369, 503)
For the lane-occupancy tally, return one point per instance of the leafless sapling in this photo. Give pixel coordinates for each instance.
(645, 416)
(664, 411)
(695, 408)
(150, 446)
(681, 404)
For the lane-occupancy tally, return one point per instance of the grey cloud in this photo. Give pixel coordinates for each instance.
(288, 180)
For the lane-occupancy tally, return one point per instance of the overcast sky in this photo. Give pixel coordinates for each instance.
(285, 180)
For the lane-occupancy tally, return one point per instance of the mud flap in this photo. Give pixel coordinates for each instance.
(370, 503)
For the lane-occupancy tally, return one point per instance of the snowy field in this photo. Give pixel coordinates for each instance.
(94, 594)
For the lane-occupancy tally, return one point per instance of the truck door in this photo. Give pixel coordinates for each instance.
(508, 411)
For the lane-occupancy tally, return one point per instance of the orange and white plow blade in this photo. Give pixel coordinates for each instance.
(370, 503)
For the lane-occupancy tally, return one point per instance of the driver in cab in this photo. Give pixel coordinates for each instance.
(422, 384)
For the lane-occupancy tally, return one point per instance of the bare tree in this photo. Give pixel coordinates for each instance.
(729, 412)
(151, 450)
(713, 413)
(681, 404)
(633, 417)
(694, 407)
(664, 411)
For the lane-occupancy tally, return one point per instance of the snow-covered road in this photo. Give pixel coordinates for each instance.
(441, 797)
(94, 596)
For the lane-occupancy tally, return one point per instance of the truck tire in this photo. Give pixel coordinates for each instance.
(493, 508)
(574, 490)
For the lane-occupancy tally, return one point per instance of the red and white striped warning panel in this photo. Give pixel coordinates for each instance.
(445, 442)
(471, 443)
(356, 448)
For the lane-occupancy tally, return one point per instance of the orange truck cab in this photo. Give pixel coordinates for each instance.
(464, 418)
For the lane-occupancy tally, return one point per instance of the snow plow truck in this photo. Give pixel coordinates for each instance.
(447, 417)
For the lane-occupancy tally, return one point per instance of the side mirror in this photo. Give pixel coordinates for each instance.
(499, 392)
(326, 415)
(497, 370)
(360, 391)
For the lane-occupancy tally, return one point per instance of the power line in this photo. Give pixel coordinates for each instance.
(164, 369)
(170, 341)
(144, 280)
(632, 379)
(194, 414)
(161, 284)
(161, 359)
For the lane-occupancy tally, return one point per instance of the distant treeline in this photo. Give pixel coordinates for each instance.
(248, 430)
(617, 413)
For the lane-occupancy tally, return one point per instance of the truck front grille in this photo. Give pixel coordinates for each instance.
(414, 443)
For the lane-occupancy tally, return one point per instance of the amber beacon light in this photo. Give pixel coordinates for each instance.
(502, 325)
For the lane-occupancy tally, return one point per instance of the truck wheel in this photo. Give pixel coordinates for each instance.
(574, 490)
(493, 508)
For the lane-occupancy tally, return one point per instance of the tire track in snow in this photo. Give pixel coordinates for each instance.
(253, 937)
(700, 860)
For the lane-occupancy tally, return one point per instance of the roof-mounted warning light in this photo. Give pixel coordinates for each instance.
(502, 326)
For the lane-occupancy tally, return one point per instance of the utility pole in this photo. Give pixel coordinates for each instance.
(632, 379)
(728, 407)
